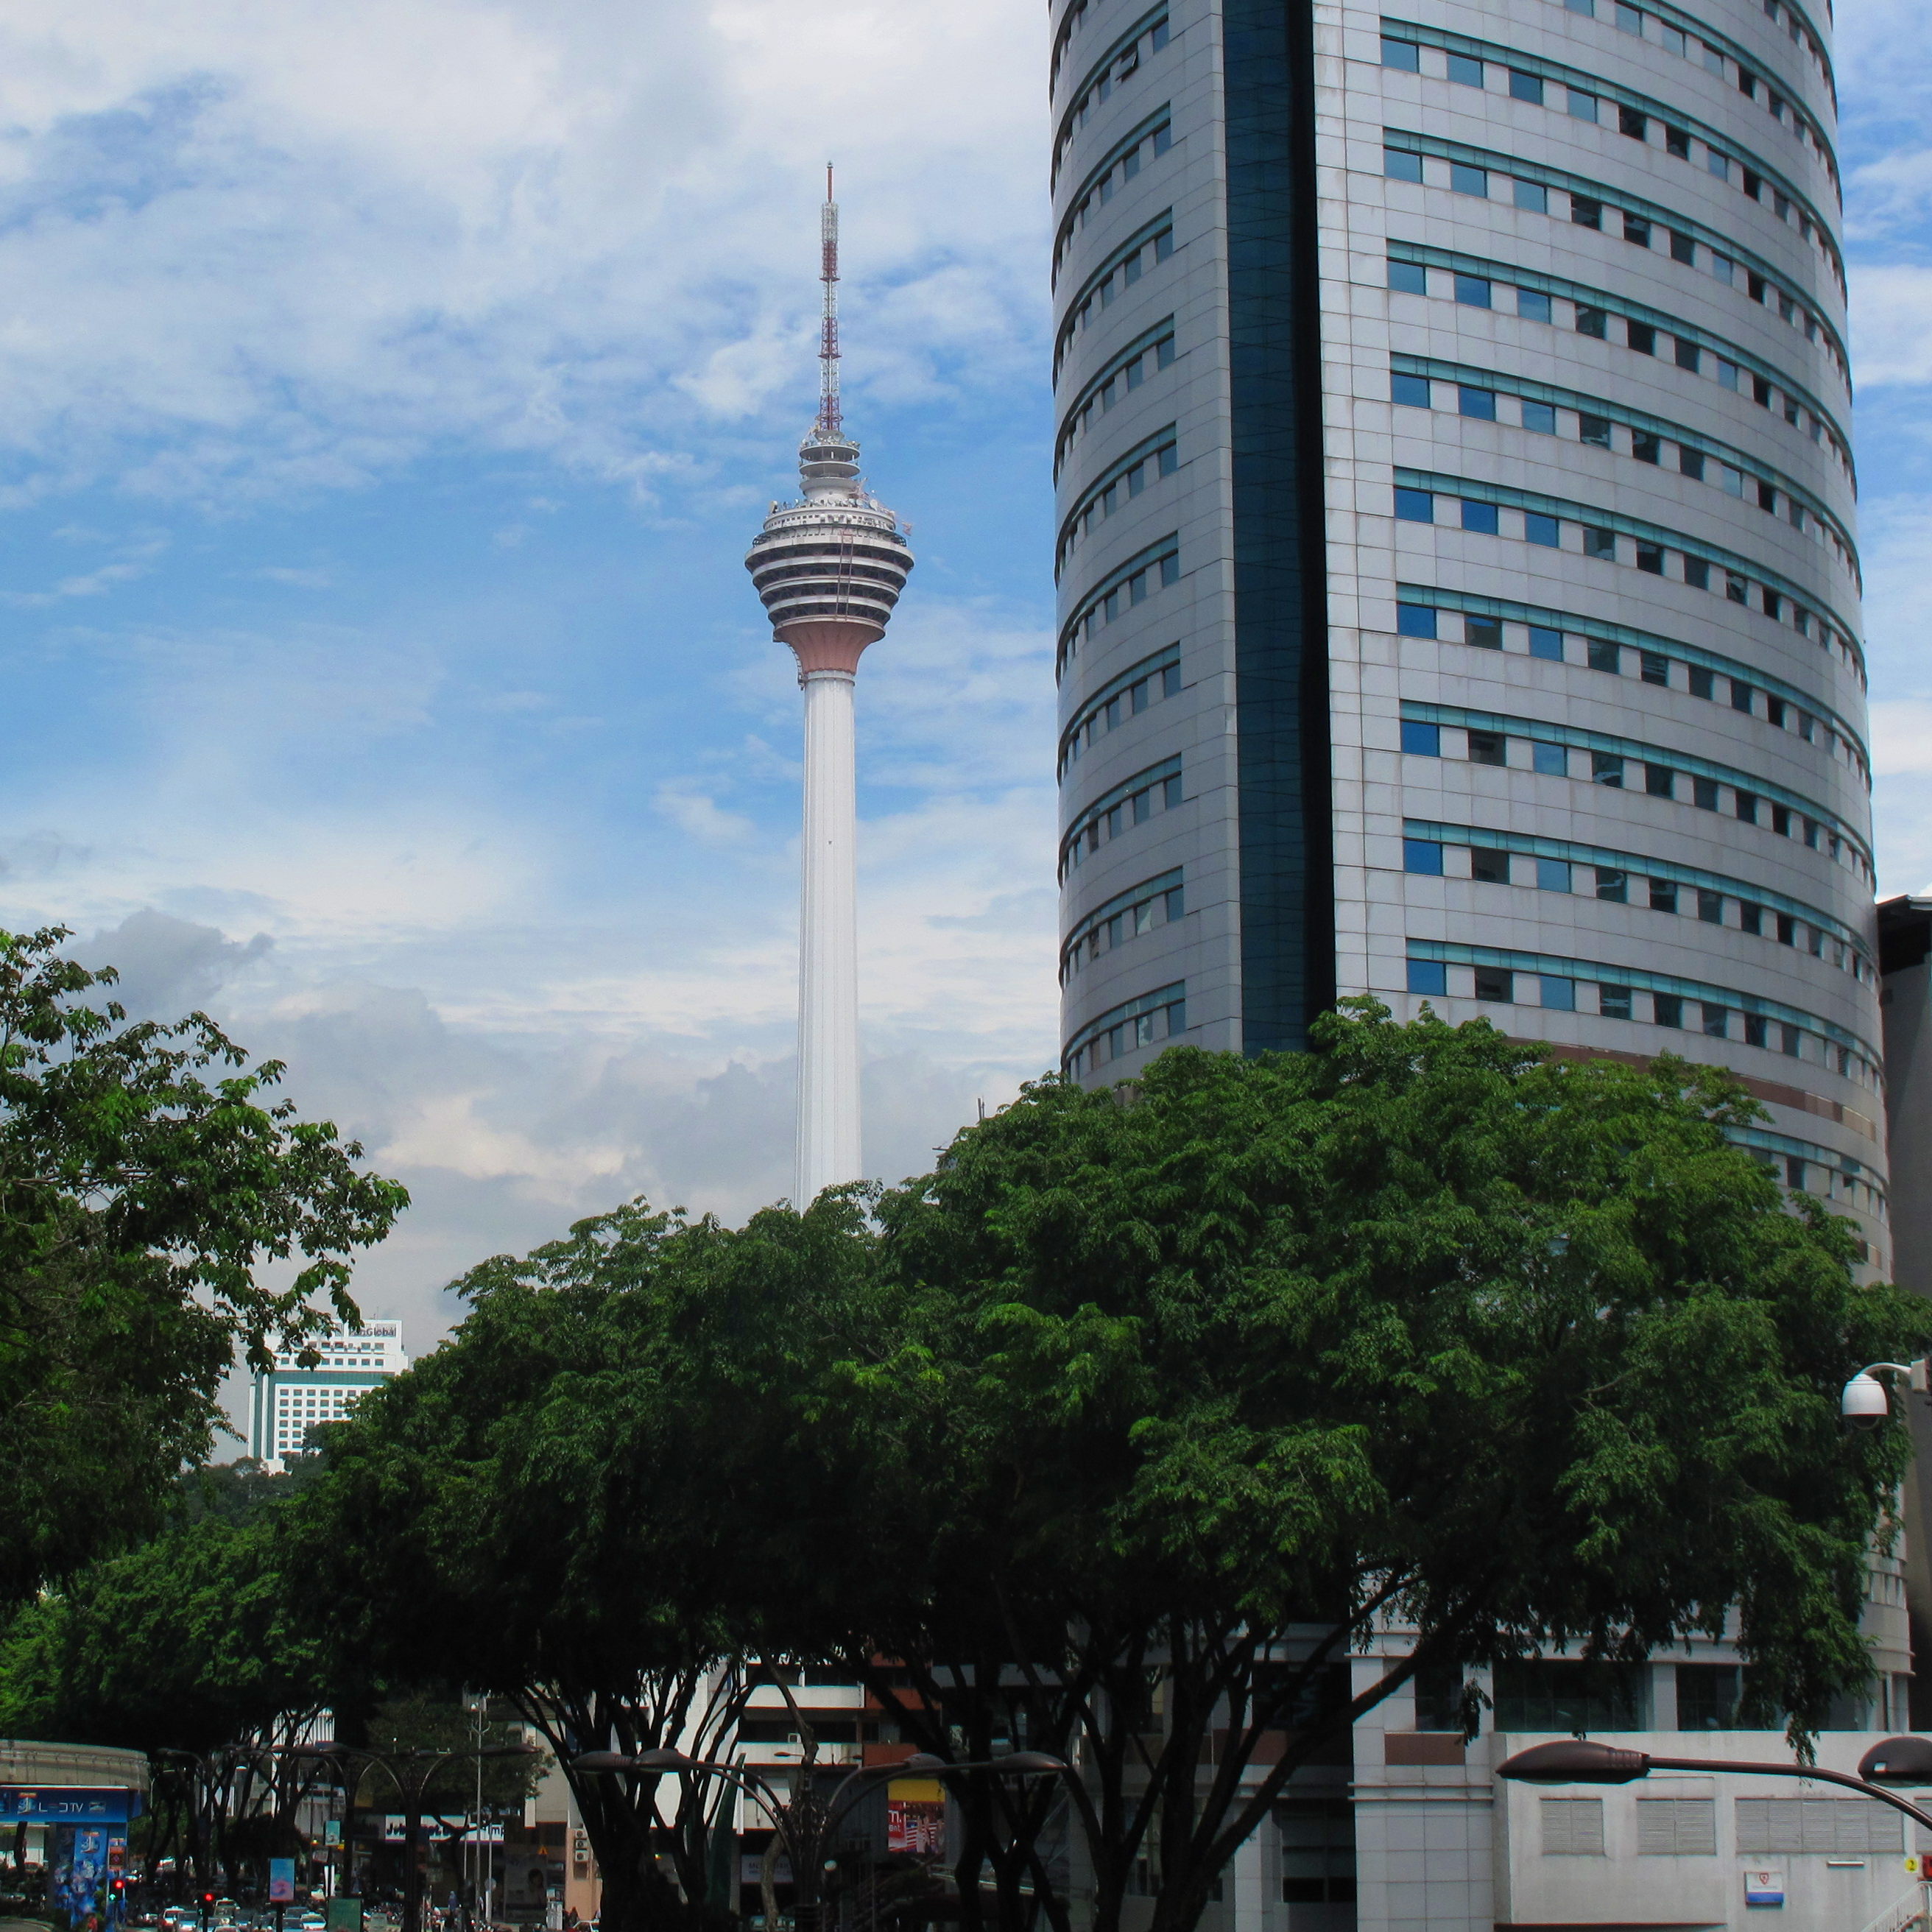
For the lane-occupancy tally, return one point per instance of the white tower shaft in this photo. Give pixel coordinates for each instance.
(828, 1002)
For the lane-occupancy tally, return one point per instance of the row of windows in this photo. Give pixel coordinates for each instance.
(1525, 744)
(1653, 25)
(1599, 540)
(1833, 938)
(1605, 319)
(1145, 38)
(1605, 654)
(1145, 1021)
(1122, 487)
(1645, 445)
(1144, 684)
(1146, 911)
(1127, 372)
(1622, 885)
(1687, 1827)
(1119, 276)
(1133, 583)
(1133, 803)
(1109, 180)
(1406, 163)
(1718, 1017)
(1637, 124)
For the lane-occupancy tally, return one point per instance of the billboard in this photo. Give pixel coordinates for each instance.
(915, 1817)
(281, 1881)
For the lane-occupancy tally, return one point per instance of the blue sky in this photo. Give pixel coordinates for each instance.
(389, 392)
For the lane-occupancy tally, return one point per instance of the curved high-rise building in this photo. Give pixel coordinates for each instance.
(1459, 587)
(828, 569)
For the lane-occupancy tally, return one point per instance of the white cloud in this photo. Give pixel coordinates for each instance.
(1892, 316)
(349, 230)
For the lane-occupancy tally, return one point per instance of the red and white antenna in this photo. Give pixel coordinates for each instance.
(828, 424)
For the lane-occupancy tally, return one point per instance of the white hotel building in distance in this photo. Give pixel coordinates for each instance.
(1458, 601)
(289, 1401)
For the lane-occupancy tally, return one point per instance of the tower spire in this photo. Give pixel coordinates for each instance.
(828, 569)
(829, 423)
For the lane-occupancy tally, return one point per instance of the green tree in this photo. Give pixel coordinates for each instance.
(146, 1184)
(604, 1491)
(1200, 1385)
(190, 1648)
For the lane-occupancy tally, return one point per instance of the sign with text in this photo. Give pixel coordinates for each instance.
(1763, 1888)
(67, 1804)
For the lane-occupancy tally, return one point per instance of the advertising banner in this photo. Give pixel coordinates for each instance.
(67, 1804)
(281, 1881)
(79, 1869)
(915, 1817)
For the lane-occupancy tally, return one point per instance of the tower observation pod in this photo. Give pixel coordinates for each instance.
(829, 569)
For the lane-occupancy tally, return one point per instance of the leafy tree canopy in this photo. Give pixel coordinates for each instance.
(149, 1190)
(1203, 1386)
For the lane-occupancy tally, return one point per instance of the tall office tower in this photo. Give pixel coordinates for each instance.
(1459, 603)
(1458, 594)
(830, 569)
(290, 1400)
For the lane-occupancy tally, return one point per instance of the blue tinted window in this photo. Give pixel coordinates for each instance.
(1415, 620)
(1553, 875)
(1464, 70)
(1481, 404)
(1422, 855)
(1545, 643)
(1582, 106)
(1415, 506)
(1540, 417)
(1412, 390)
(1424, 741)
(1525, 87)
(1560, 995)
(1480, 517)
(1411, 278)
(1170, 570)
(1533, 196)
(1467, 180)
(1532, 307)
(1541, 530)
(1404, 54)
(1551, 760)
(1428, 976)
(1400, 166)
(1472, 291)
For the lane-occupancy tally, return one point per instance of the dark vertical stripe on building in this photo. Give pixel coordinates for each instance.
(1281, 616)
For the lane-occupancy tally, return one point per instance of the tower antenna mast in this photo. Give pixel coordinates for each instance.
(828, 424)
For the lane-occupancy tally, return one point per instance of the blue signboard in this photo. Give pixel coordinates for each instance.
(67, 1804)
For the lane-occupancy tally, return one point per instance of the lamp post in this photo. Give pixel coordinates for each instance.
(802, 1827)
(410, 1772)
(1585, 1761)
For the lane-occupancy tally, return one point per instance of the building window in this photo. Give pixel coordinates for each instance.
(1563, 1696)
(1404, 54)
(1676, 1827)
(1572, 1827)
(1495, 984)
(1423, 856)
(1708, 1693)
(1427, 977)
(1318, 1851)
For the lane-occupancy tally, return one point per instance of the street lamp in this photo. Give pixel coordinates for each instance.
(1585, 1761)
(801, 1827)
(410, 1772)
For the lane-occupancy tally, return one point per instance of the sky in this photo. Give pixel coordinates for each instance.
(389, 392)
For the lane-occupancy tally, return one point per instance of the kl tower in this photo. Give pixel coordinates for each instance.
(828, 569)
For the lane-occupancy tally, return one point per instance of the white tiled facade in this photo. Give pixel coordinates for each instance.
(1600, 344)
(290, 1400)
